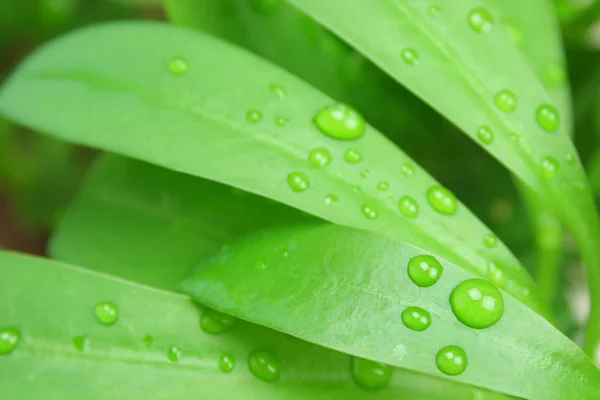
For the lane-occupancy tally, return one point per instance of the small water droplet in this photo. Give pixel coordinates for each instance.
(340, 121)
(550, 167)
(480, 20)
(490, 240)
(383, 186)
(407, 169)
(174, 353)
(506, 101)
(178, 66)
(495, 274)
(357, 189)
(548, 117)
(370, 211)
(319, 157)
(298, 181)
(416, 318)
(330, 199)
(477, 303)
(570, 158)
(148, 340)
(452, 360)
(424, 270)
(353, 156)
(253, 116)
(555, 75)
(264, 365)
(516, 34)
(226, 363)
(410, 56)
(485, 134)
(442, 200)
(107, 313)
(370, 375)
(514, 137)
(81, 343)
(408, 206)
(9, 340)
(364, 173)
(278, 90)
(281, 121)
(435, 10)
(214, 322)
(260, 264)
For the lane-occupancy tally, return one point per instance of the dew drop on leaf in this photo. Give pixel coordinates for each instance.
(495, 274)
(81, 343)
(480, 20)
(477, 303)
(490, 240)
(340, 121)
(506, 101)
(370, 211)
(435, 10)
(550, 167)
(364, 173)
(410, 56)
(370, 375)
(148, 340)
(330, 199)
(178, 66)
(548, 117)
(264, 365)
(407, 169)
(570, 158)
(253, 116)
(353, 156)
(383, 186)
(416, 318)
(514, 137)
(319, 157)
(555, 75)
(278, 90)
(214, 322)
(281, 121)
(442, 200)
(9, 340)
(107, 313)
(424, 270)
(174, 353)
(408, 206)
(485, 134)
(298, 181)
(226, 363)
(452, 360)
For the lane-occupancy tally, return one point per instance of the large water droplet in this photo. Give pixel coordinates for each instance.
(9, 340)
(452, 360)
(485, 134)
(407, 169)
(214, 322)
(253, 116)
(353, 156)
(278, 90)
(107, 313)
(410, 56)
(370, 211)
(178, 66)
(548, 117)
(174, 353)
(550, 167)
(424, 270)
(298, 181)
(226, 363)
(480, 20)
(383, 186)
(506, 101)
(490, 240)
(330, 199)
(81, 343)
(340, 121)
(319, 157)
(264, 365)
(408, 206)
(281, 121)
(370, 375)
(442, 200)
(477, 303)
(416, 318)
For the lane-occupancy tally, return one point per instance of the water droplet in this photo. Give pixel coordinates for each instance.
(370, 211)
(357, 189)
(9, 340)
(178, 66)
(370, 375)
(214, 322)
(107, 313)
(319, 157)
(480, 20)
(516, 34)
(81, 343)
(442, 200)
(148, 340)
(549, 167)
(416, 318)
(548, 117)
(506, 101)
(408, 206)
(477, 303)
(485, 134)
(383, 186)
(330, 199)
(353, 156)
(407, 169)
(570, 158)
(253, 116)
(490, 240)
(424, 270)
(298, 181)
(364, 173)
(435, 10)
(278, 90)
(260, 264)
(495, 274)
(340, 121)
(174, 353)
(281, 121)
(514, 137)
(264, 365)
(452, 360)
(226, 363)
(410, 56)
(555, 75)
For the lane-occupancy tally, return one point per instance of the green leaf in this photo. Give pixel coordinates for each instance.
(128, 359)
(151, 225)
(347, 289)
(217, 115)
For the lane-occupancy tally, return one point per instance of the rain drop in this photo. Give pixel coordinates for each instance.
(107, 313)
(214, 322)
(424, 270)
(319, 157)
(226, 363)
(410, 56)
(81, 343)
(548, 117)
(480, 20)
(370, 211)
(452, 360)
(416, 318)
(178, 66)
(490, 240)
(407, 169)
(442, 200)
(278, 90)
(555, 75)
(383, 186)
(408, 207)
(253, 116)
(485, 134)
(340, 121)
(330, 199)
(353, 156)
(281, 121)
(9, 340)
(550, 167)
(298, 181)
(174, 353)
(506, 101)
(148, 340)
(477, 303)
(264, 365)
(370, 375)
